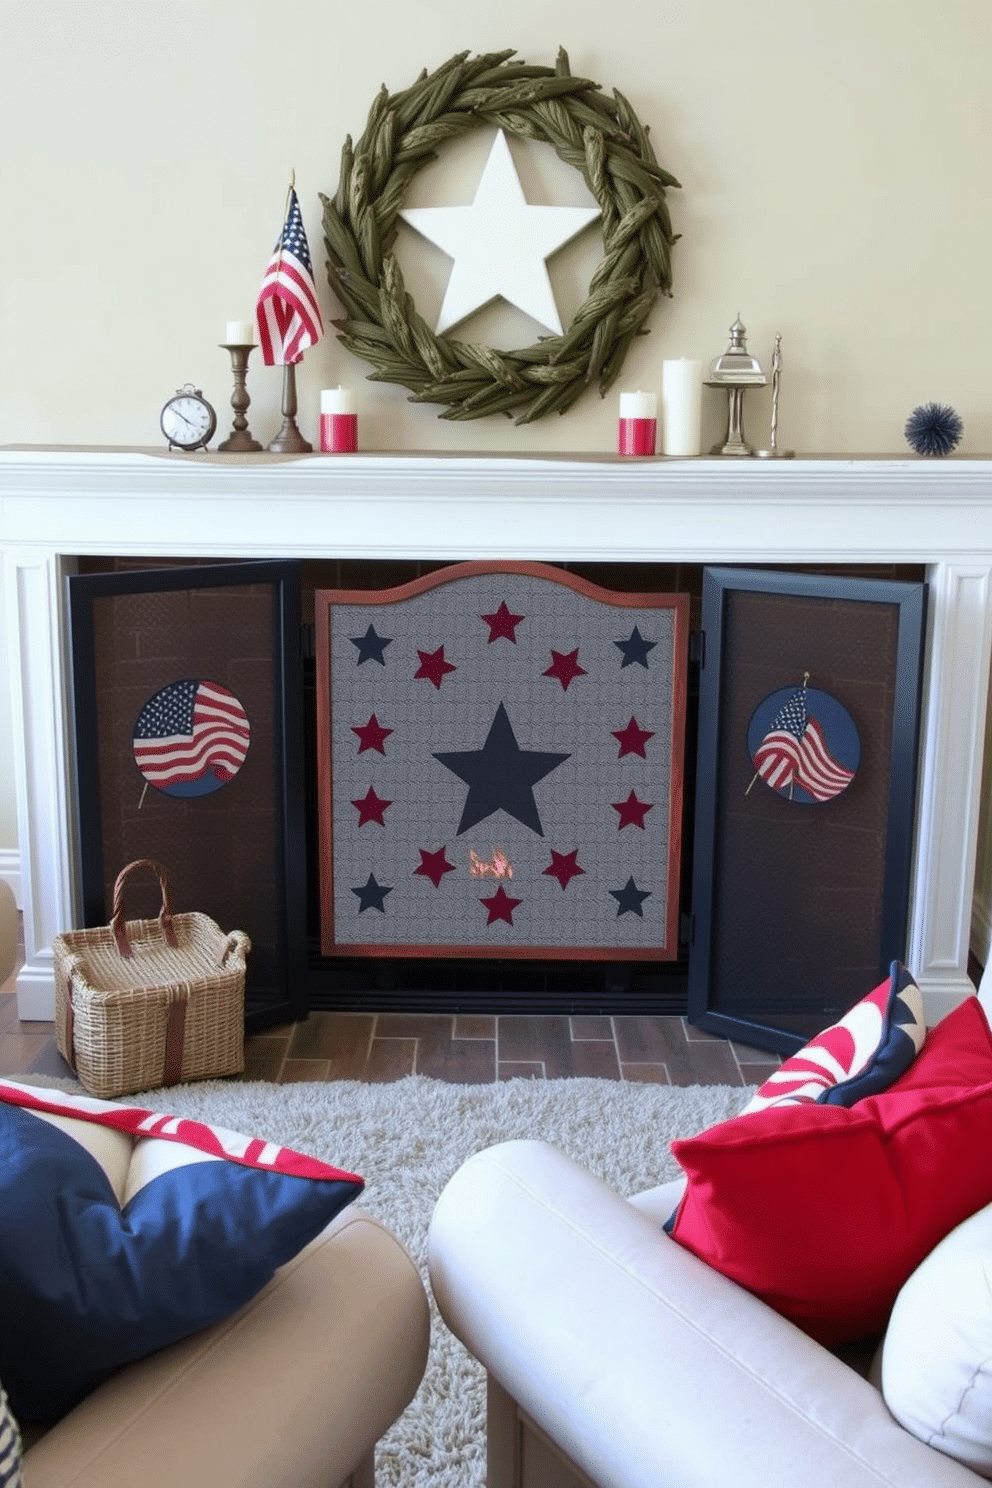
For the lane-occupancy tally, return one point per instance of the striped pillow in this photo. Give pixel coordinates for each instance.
(10, 1447)
(872, 1045)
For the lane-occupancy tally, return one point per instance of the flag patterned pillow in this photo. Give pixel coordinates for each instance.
(123, 1230)
(824, 1213)
(10, 1447)
(874, 1043)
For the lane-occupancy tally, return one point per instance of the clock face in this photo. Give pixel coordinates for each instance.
(187, 421)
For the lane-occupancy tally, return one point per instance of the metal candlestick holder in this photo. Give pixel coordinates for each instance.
(773, 452)
(289, 440)
(736, 370)
(239, 441)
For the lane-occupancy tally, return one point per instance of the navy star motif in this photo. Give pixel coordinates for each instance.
(372, 895)
(371, 646)
(630, 898)
(500, 776)
(635, 649)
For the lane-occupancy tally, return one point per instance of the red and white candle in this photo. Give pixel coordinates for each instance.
(637, 429)
(338, 421)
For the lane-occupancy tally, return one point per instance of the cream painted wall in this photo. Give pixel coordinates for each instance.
(832, 155)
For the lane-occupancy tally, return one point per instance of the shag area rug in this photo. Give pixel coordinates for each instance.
(407, 1138)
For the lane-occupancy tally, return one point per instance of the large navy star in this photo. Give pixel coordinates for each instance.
(500, 776)
(635, 649)
(371, 646)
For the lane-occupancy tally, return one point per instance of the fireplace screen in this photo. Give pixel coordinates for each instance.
(500, 754)
(809, 708)
(187, 701)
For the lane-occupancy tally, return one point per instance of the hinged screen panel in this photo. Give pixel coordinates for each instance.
(806, 776)
(187, 691)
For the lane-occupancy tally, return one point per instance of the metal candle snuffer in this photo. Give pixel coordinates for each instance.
(773, 452)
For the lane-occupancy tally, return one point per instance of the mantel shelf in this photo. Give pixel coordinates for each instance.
(571, 508)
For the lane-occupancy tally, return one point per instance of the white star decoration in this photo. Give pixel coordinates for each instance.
(499, 244)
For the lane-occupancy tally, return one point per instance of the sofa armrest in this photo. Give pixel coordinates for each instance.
(643, 1365)
(292, 1389)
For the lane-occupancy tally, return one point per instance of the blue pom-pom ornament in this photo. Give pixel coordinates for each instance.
(933, 429)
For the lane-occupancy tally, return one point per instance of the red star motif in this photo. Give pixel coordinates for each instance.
(633, 739)
(433, 666)
(434, 865)
(632, 812)
(565, 668)
(371, 808)
(500, 906)
(371, 735)
(564, 866)
(502, 623)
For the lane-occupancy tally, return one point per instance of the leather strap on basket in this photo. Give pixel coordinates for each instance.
(70, 1053)
(117, 923)
(175, 1033)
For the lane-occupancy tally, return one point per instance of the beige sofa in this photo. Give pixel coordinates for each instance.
(617, 1358)
(291, 1391)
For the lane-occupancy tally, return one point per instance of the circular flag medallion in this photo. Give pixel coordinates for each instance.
(804, 744)
(191, 738)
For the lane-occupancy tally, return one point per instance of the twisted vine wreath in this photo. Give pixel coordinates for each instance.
(600, 137)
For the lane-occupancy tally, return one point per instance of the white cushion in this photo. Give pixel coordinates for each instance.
(937, 1353)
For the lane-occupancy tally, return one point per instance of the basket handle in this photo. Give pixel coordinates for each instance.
(236, 941)
(164, 915)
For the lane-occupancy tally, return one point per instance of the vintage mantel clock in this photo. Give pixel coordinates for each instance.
(188, 421)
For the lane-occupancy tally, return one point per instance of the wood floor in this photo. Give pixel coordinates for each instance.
(464, 1048)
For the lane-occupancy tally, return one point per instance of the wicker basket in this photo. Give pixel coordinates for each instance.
(150, 1002)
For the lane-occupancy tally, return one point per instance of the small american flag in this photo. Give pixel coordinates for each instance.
(794, 752)
(287, 312)
(189, 731)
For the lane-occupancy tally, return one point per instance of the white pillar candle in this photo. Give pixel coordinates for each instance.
(638, 405)
(240, 333)
(681, 407)
(337, 400)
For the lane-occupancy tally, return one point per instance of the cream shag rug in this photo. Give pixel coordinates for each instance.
(407, 1139)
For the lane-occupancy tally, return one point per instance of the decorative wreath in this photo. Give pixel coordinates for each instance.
(600, 137)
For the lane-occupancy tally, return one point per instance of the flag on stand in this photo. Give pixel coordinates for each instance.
(794, 752)
(287, 312)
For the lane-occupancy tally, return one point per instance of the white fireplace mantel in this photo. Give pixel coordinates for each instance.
(59, 503)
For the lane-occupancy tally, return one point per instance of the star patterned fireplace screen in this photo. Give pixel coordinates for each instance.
(500, 766)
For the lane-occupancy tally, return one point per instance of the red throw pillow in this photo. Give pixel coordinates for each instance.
(874, 1043)
(824, 1211)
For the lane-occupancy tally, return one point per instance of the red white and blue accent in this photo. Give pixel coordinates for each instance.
(287, 312)
(804, 744)
(861, 1055)
(191, 738)
(123, 1230)
(510, 722)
